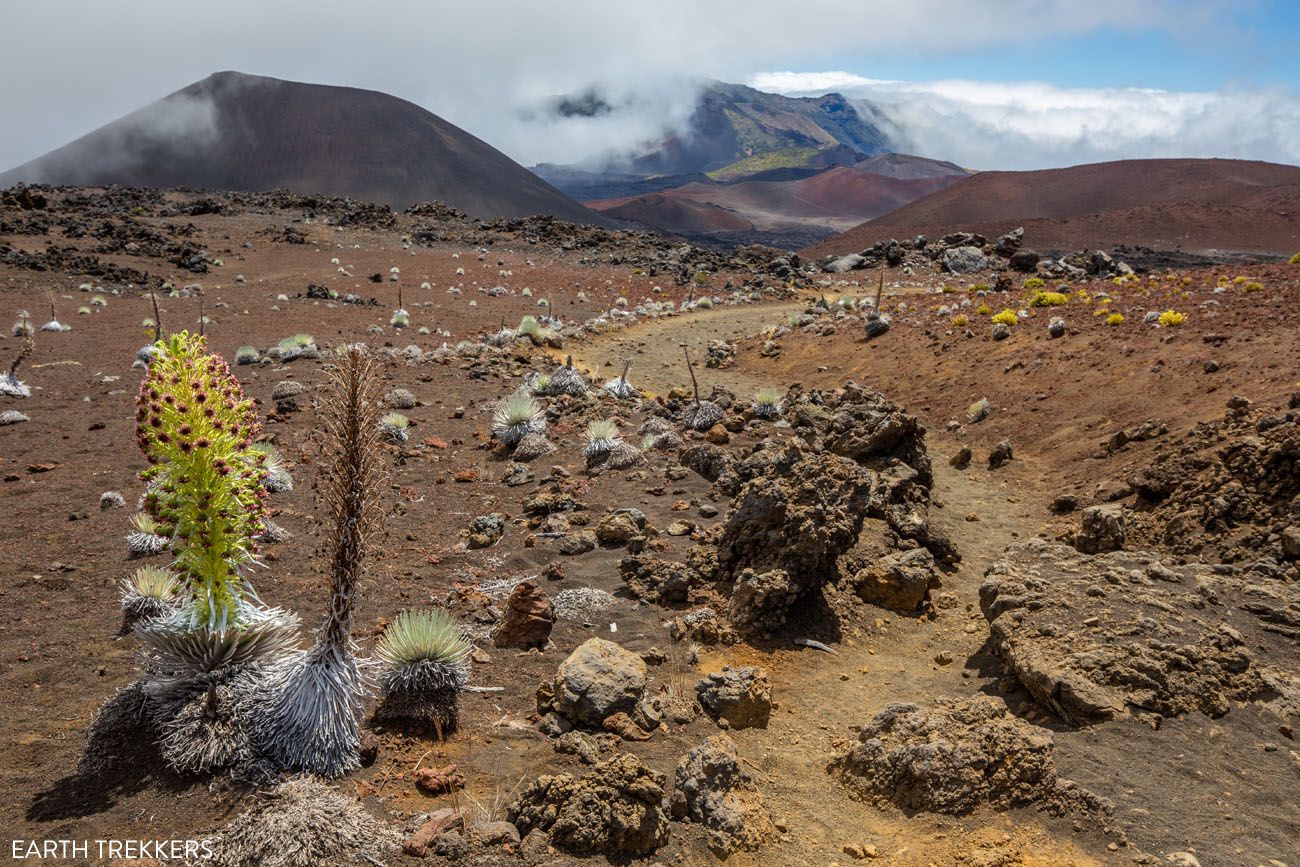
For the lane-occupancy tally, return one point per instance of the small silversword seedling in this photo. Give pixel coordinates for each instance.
(602, 438)
(298, 346)
(148, 594)
(767, 403)
(515, 418)
(394, 428)
(425, 664)
(144, 540)
(528, 327)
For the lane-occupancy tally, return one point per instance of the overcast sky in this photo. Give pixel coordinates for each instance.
(1010, 84)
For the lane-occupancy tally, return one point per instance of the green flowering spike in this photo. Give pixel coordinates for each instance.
(195, 427)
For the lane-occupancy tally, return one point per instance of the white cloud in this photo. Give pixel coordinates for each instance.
(1033, 125)
(478, 64)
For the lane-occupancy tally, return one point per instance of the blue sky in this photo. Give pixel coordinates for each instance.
(1253, 44)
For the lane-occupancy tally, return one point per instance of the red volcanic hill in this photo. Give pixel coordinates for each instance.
(833, 199)
(232, 131)
(1188, 204)
(675, 214)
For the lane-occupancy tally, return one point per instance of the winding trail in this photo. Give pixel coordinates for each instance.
(895, 658)
(655, 347)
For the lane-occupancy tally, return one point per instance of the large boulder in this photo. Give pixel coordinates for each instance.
(1025, 261)
(1225, 491)
(862, 425)
(663, 582)
(528, 619)
(900, 582)
(598, 680)
(741, 696)
(796, 525)
(877, 325)
(872, 430)
(620, 526)
(1008, 244)
(950, 758)
(1094, 637)
(713, 790)
(965, 260)
(844, 264)
(708, 460)
(1101, 529)
(615, 810)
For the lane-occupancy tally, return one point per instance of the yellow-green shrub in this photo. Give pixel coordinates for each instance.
(1006, 317)
(960, 320)
(1172, 318)
(1253, 287)
(1295, 260)
(1115, 319)
(1049, 299)
(1035, 283)
(983, 310)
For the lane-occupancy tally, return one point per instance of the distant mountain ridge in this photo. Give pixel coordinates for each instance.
(732, 122)
(733, 132)
(233, 131)
(782, 210)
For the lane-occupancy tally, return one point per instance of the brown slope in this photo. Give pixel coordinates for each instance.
(673, 214)
(1192, 204)
(232, 131)
(836, 198)
(860, 190)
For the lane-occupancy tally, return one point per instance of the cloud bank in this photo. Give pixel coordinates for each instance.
(1030, 125)
(70, 67)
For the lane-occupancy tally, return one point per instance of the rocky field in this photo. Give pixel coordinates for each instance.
(937, 553)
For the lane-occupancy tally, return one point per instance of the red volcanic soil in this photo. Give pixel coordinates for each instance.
(1193, 205)
(673, 213)
(837, 197)
(1222, 787)
(851, 190)
(232, 131)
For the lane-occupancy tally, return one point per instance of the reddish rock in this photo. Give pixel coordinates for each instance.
(528, 618)
(439, 781)
(622, 725)
(438, 823)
